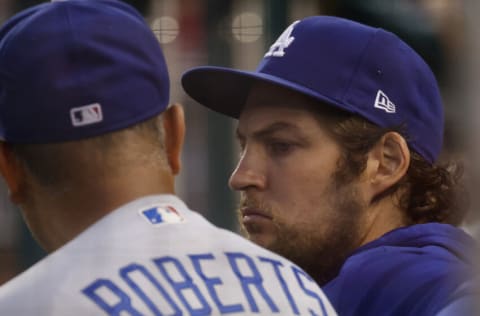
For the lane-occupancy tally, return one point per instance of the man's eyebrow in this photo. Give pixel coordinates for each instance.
(270, 129)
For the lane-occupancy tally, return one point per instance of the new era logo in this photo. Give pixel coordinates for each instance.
(161, 214)
(278, 48)
(384, 103)
(85, 115)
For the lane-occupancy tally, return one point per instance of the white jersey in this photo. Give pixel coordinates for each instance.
(154, 256)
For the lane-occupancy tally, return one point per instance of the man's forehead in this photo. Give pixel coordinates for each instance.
(265, 118)
(272, 102)
(273, 128)
(267, 101)
(272, 112)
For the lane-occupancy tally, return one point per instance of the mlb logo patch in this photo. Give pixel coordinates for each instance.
(161, 215)
(86, 115)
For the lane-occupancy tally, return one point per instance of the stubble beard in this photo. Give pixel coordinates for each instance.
(321, 253)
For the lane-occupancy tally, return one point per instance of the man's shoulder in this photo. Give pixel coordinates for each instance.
(410, 256)
(41, 290)
(405, 269)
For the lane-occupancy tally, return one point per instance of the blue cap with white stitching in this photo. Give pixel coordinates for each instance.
(360, 69)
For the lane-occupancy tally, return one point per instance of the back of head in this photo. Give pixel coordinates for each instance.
(78, 71)
(82, 87)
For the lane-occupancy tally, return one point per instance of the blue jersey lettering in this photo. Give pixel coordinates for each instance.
(298, 275)
(276, 266)
(250, 278)
(120, 308)
(211, 283)
(182, 285)
(177, 292)
(124, 273)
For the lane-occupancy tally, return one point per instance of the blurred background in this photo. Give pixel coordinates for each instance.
(237, 33)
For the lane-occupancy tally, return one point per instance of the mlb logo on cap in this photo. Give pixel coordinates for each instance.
(85, 115)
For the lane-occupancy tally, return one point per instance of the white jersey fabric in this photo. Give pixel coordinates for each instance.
(154, 256)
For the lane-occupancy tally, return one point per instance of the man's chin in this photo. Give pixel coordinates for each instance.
(259, 231)
(261, 239)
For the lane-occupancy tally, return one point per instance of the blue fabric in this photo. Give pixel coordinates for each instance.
(417, 270)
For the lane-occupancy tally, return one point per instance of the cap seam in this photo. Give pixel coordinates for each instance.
(359, 64)
(73, 61)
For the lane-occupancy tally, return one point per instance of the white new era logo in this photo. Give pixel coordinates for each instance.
(384, 103)
(278, 48)
(85, 115)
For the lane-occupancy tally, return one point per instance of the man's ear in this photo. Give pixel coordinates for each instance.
(387, 163)
(174, 125)
(12, 172)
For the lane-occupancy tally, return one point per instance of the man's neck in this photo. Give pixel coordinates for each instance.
(56, 218)
(384, 216)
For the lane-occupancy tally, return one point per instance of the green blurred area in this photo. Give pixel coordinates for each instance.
(219, 154)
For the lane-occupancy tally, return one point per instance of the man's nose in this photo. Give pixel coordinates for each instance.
(249, 173)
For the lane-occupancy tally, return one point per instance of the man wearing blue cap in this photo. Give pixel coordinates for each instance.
(89, 152)
(340, 128)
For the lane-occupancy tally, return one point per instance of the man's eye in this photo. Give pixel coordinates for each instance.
(280, 148)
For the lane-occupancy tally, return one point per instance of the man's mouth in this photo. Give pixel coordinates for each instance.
(252, 214)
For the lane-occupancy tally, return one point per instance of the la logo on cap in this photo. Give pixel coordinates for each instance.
(278, 48)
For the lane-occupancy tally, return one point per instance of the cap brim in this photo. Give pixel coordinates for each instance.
(225, 90)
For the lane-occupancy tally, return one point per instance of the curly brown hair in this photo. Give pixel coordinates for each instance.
(427, 192)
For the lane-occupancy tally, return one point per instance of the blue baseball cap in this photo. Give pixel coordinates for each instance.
(359, 69)
(78, 68)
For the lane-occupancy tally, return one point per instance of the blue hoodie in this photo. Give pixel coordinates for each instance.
(416, 270)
